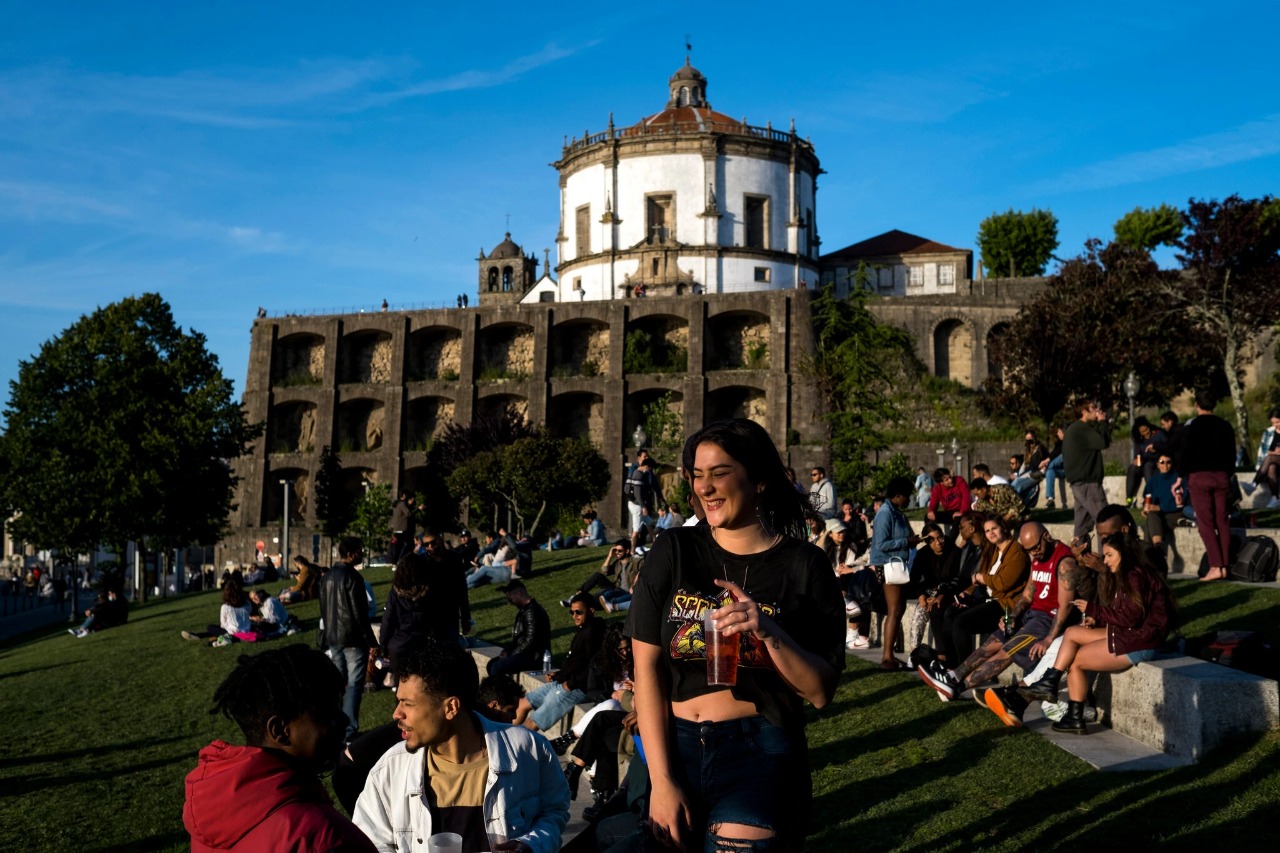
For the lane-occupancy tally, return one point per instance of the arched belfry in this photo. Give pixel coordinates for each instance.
(506, 273)
(688, 88)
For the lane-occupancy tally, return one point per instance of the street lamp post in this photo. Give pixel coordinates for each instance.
(955, 455)
(1131, 388)
(639, 438)
(284, 553)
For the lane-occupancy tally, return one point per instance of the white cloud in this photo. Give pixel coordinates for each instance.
(44, 202)
(1249, 141)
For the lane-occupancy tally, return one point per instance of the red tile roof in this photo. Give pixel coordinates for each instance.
(893, 242)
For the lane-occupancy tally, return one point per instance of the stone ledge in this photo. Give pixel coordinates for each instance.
(1184, 706)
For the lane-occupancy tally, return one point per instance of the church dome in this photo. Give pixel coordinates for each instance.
(687, 72)
(688, 87)
(506, 249)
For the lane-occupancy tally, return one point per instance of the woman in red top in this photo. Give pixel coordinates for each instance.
(1111, 637)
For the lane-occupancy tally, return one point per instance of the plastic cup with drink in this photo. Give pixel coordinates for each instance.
(722, 653)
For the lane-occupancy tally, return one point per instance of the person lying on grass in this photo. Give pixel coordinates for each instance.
(267, 795)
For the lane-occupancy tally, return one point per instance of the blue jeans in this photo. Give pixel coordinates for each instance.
(1055, 473)
(351, 662)
(746, 771)
(486, 574)
(551, 702)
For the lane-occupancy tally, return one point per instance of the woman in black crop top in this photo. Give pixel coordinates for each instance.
(730, 763)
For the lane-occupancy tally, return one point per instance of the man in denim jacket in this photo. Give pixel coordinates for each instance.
(500, 787)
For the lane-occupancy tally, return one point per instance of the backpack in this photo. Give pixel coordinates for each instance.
(1256, 562)
(634, 488)
(1247, 651)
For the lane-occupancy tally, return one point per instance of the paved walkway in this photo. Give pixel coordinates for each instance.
(1102, 747)
(23, 621)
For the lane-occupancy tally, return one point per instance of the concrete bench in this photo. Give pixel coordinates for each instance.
(1184, 706)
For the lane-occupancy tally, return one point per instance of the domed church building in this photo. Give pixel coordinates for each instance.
(688, 200)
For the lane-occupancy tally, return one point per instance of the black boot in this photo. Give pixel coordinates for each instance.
(1044, 690)
(1072, 722)
(602, 801)
(572, 773)
(562, 743)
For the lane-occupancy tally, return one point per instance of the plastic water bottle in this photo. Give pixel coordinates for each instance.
(546, 661)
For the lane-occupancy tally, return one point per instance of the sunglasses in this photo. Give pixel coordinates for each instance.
(578, 612)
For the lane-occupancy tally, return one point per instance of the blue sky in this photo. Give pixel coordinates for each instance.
(320, 156)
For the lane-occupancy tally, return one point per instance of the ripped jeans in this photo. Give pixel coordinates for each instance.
(745, 771)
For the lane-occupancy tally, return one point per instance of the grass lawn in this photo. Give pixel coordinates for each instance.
(100, 733)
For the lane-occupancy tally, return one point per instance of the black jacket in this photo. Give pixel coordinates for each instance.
(344, 607)
(582, 651)
(530, 633)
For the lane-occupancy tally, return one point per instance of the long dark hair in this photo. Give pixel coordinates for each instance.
(1113, 585)
(609, 659)
(410, 580)
(233, 592)
(782, 507)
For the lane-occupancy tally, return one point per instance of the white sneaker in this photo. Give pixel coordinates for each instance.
(849, 635)
(75, 632)
(1273, 503)
(858, 642)
(852, 608)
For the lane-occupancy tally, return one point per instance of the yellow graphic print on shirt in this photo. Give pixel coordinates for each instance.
(688, 609)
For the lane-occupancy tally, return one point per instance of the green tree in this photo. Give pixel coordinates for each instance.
(122, 428)
(662, 423)
(852, 367)
(1016, 243)
(370, 516)
(1231, 263)
(519, 483)
(333, 506)
(1146, 228)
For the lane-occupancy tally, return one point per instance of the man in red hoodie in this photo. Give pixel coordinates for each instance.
(267, 794)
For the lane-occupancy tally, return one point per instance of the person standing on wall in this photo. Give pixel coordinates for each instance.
(1204, 451)
(1082, 444)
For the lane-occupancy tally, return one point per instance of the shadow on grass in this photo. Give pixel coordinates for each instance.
(72, 755)
(1108, 811)
(31, 784)
(18, 672)
(153, 842)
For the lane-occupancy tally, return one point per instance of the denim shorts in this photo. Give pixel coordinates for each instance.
(1138, 657)
(746, 771)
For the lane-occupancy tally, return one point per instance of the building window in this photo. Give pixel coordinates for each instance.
(915, 276)
(547, 296)
(582, 229)
(660, 217)
(493, 279)
(762, 274)
(506, 279)
(756, 221)
(577, 283)
(946, 274)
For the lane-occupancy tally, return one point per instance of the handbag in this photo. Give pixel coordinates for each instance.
(895, 572)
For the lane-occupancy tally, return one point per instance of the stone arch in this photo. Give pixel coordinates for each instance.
(298, 359)
(360, 425)
(505, 352)
(508, 274)
(299, 495)
(953, 351)
(293, 427)
(353, 480)
(633, 416)
(580, 348)
(435, 353)
(577, 415)
(738, 401)
(365, 357)
(994, 369)
(737, 340)
(493, 279)
(656, 343)
(495, 403)
(426, 419)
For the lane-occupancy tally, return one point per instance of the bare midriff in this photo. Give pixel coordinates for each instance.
(713, 707)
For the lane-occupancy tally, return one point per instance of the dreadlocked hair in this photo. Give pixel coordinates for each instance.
(283, 683)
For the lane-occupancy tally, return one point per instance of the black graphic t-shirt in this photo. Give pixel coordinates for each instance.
(792, 582)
